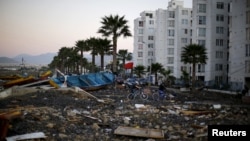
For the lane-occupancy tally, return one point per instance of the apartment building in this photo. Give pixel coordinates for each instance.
(221, 26)
(239, 43)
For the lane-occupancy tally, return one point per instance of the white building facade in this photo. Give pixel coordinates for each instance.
(221, 26)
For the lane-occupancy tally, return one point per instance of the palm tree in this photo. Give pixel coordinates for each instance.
(92, 44)
(139, 70)
(103, 48)
(155, 68)
(81, 45)
(63, 56)
(115, 27)
(124, 55)
(193, 54)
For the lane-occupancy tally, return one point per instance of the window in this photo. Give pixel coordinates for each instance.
(247, 34)
(218, 79)
(248, 17)
(171, 23)
(150, 45)
(141, 23)
(247, 66)
(150, 37)
(183, 40)
(184, 21)
(140, 54)
(219, 54)
(219, 18)
(202, 42)
(150, 15)
(202, 32)
(184, 12)
(202, 20)
(202, 8)
(171, 69)
(170, 51)
(150, 53)
(140, 46)
(218, 67)
(219, 42)
(140, 39)
(248, 3)
(171, 32)
(219, 30)
(247, 50)
(171, 14)
(140, 31)
(220, 5)
(201, 67)
(185, 31)
(170, 41)
(150, 61)
(170, 60)
(151, 22)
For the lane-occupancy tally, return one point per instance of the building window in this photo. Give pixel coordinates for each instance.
(151, 22)
(171, 14)
(150, 15)
(170, 51)
(140, 54)
(219, 42)
(218, 67)
(140, 31)
(150, 37)
(247, 66)
(247, 34)
(202, 8)
(171, 23)
(185, 31)
(219, 30)
(202, 32)
(140, 46)
(150, 61)
(220, 5)
(247, 50)
(141, 23)
(140, 39)
(219, 54)
(202, 20)
(248, 3)
(170, 60)
(150, 53)
(171, 32)
(170, 68)
(202, 42)
(218, 79)
(184, 12)
(219, 18)
(184, 40)
(170, 41)
(150, 45)
(184, 21)
(248, 17)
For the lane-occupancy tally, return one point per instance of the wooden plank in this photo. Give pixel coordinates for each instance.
(30, 136)
(139, 132)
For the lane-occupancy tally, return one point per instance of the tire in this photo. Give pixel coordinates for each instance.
(156, 96)
(143, 96)
(131, 96)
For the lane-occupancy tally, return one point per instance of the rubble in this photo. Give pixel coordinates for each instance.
(63, 115)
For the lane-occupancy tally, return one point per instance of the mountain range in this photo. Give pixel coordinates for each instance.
(42, 59)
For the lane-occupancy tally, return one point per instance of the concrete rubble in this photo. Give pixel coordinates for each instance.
(104, 115)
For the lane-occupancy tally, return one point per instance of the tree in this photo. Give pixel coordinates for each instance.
(156, 68)
(139, 70)
(81, 45)
(194, 54)
(103, 48)
(122, 56)
(93, 44)
(115, 27)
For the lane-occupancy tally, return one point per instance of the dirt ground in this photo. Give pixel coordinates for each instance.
(63, 115)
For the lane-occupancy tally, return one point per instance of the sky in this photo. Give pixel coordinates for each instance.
(44, 26)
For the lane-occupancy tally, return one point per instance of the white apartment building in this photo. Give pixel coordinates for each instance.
(221, 26)
(239, 43)
(159, 36)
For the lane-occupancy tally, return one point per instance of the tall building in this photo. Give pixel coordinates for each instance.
(239, 44)
(221, 26)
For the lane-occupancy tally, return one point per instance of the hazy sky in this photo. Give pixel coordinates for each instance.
(42, 26)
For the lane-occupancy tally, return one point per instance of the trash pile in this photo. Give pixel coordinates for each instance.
(107, 114)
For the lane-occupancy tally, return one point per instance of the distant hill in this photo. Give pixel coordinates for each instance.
(42, 59)
(45, 59)
(6, 60)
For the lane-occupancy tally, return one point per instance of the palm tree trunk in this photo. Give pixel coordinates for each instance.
(193, 77)
(102, 62)
(114, 54)
(81, 61)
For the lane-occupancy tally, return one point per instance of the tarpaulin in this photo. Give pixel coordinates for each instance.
(128, 65)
